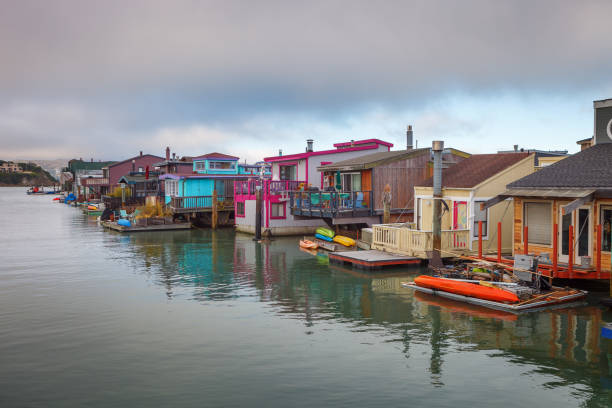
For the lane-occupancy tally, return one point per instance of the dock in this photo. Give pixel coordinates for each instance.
(137, 228)
(372, 259)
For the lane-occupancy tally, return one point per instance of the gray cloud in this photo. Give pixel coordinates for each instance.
(134, 68)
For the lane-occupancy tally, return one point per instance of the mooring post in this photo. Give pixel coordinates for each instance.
(571, 252)
(215, 214)
(526, 240)
(437, 148)
(499, 242)
(257, 213)
(555, 254)
(598, 245)
(479, 239)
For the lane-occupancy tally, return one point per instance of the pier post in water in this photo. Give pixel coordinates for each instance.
(215, 213)
(437, 147)
(257, 213)
(480, 239)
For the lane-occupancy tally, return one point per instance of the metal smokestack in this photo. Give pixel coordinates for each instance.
(309, 145)
(409, 144)
(167, 153)
(437, 147)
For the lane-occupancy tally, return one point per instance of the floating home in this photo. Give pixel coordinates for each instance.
(290, 173)
(466, 186)
(357, 186)
(563, 212)
(209, 182)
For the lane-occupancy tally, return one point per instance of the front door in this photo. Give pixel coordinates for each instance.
(460, 215)
(580, 219)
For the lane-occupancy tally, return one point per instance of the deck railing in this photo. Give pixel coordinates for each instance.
(198, 203)
(331, 204)
(271, 187)
(399, 239)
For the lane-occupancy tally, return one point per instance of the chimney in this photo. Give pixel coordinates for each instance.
(92, 159)
(141, 153)
(309, 145)
(516, 148)
(167, 153)
(409, 144)
(280, 152)
(173, 156)
(352, 142)
(133, 165)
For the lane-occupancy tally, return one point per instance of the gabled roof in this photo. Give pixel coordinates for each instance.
(215, 155)
(76, 165)
(358, 145)
(477, 168)
(134, 158)
(137, 178)
(591, 167)
(373, 159)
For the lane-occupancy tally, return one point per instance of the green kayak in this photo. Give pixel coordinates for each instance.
(325, 232)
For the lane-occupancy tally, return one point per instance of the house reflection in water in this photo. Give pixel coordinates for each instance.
(219, 265)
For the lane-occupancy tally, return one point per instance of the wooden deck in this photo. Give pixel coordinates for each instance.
(135, 228)
(372, 259)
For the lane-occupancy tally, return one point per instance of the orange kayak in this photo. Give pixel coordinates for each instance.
(466, 289)
(304, 243)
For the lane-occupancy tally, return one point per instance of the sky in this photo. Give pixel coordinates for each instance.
(106, 79)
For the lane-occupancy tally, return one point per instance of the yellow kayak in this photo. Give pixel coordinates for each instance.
(346, 241)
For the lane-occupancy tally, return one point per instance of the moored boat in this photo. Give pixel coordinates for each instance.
(346, 241)
(467, 288)
(306, 244)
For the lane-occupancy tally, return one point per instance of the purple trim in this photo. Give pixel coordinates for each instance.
(203, 176)
(359, 142)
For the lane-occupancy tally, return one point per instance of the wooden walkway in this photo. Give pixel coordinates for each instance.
(372, 259)
(135, 228)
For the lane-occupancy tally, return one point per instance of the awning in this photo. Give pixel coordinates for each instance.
(581, 196)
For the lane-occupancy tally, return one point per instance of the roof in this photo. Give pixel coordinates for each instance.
(359, 145)
(76, 165)
(585, 141)
(588, 168)
(137, 178)
(477, 168)
(373, 159)
(215, 155)
(134, 158)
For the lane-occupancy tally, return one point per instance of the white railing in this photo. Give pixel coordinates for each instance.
(399, 239)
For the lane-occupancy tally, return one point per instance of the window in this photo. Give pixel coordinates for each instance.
(538, 219)
(171, 188)
(351, 182)
(287, 172)
(240, 209)
(140, 170)
(200, 165)
(277, 210)
(222, 165)
(606, 228)
(480, 215)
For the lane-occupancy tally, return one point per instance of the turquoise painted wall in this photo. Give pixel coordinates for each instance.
(198, 187)
(208, 170)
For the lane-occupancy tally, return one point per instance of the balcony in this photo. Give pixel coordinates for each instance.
(332, 204)
(399, 239)
(200, 204)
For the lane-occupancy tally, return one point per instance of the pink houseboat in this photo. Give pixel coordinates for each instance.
(292, 173)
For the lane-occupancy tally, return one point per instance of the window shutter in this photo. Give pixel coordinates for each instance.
(538, 222)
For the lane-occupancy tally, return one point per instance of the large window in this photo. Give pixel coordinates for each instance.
(538, 219)
(222, 165)
(171, 187)
(200, 165)
(351, 182)
(480, 215)
(240, 209)
(277, 210)
(288, 172)
(606, 228)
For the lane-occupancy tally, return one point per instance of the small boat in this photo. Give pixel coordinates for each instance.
(324, 237)
(56, 199)
(92, 207)
(326, 232)
(466, 288)
(306, 244)
(346, 241)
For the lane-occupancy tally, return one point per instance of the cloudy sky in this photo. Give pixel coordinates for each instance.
(106, 79)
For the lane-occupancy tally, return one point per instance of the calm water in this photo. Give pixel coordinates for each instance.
(201, 318)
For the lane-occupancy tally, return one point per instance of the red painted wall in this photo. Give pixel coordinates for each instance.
(118, 170)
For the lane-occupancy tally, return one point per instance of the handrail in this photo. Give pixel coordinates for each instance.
(398, 239)
(332, 203)
(196, 202)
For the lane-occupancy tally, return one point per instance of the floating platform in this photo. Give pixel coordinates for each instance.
(372, 259)
(329, 246)
(137, 228)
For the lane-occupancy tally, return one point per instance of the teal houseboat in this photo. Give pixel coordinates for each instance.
(214, 172)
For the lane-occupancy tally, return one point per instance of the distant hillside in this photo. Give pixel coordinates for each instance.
(32, 175)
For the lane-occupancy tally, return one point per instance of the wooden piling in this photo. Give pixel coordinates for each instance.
(215, 214)
(598, 246)
(526, 240)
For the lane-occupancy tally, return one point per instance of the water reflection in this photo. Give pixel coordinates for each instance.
(563, 344)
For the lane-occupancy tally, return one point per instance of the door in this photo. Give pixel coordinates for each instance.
(460, 215)
(580, 219)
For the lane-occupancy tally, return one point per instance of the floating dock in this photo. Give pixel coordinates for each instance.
(372, 259)
(137, 228)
